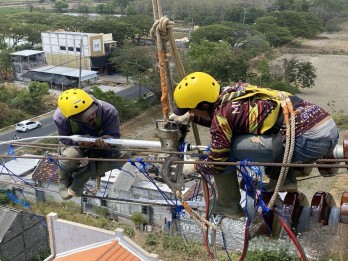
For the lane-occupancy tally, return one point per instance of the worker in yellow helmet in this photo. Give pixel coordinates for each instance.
(246, 109)
(79, 113)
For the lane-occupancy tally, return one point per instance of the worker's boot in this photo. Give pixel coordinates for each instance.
(228, 196)
(80, 179)
(289, 185)
(65, 180)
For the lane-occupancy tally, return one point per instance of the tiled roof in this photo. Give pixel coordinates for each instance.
(46, 171)
(111, 251)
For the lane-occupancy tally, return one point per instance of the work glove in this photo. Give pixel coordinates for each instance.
(183, 119)
(100, 143)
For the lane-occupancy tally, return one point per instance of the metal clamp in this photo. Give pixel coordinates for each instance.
(172, 173)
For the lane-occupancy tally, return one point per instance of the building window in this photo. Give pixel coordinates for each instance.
(63, 48)
(78, 49)
(103, 203)
(84, 200)
(70, 48)
(144, 210)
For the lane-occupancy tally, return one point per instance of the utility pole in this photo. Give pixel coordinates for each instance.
(81, 46)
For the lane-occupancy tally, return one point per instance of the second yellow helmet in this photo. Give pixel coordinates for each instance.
(74, 101)
(195, 88)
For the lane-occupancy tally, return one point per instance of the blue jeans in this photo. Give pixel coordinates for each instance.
(306, 151)
(271, 150)
(309, 150)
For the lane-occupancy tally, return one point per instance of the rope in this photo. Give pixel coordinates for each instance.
(159, 34)
(287, 109)
(195, 215)
(194, 162)
(97, 186)
(162, 33)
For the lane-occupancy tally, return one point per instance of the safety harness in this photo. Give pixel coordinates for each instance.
(252, 91)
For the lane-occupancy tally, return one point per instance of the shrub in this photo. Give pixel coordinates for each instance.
(178, 244)
(138, 219)
(128, 231)
(100, 211)
(151, 240)
(264, 255)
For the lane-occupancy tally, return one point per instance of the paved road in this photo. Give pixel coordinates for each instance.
(48, 127)
(133, 92)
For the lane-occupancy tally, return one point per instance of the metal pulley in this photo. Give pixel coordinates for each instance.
(344, 208)
(171, 135)
(339, 152)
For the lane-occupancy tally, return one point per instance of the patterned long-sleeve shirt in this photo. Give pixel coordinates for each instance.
(246, 116)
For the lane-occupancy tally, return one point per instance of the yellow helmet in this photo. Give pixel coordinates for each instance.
(74, 101)
(195, 88)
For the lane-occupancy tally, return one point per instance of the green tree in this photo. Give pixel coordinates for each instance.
(275, 34)
(37, 90)
(101, 8)
(264, 71)
(83, 9)
(212, 33)
(139, 63)
(60, 6)
(18, 32)
(5, 64)
(327, 9)
(300, 24)
(138, 25)
(34, 33)
(217, 59)
(299, 74)
(306, 74)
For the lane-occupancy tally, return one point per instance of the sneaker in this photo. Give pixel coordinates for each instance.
(75, 193)
(63, 192)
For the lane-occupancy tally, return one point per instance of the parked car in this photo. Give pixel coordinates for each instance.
(27, 125)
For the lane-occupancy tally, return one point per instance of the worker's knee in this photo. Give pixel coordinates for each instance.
(68, 163)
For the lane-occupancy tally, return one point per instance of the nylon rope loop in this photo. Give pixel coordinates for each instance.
(195, 215)
(160, 39)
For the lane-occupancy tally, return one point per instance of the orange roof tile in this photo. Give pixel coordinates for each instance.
(112, 251)
(46, 171)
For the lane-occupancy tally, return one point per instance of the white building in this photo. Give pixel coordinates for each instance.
(89, 51)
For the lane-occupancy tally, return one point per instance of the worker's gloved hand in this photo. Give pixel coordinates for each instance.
(183, 119)
(100, 143)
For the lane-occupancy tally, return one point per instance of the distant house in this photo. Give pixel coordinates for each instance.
(23, 235)
(89, 51)
(74, 241)
(31, 65)
(130, 184)
(25, 60)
